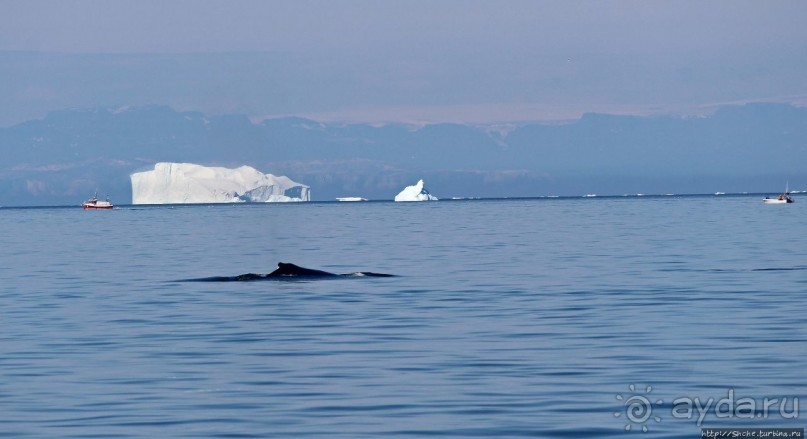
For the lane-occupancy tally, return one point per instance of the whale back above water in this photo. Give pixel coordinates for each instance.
(288, 271)
(292, 270)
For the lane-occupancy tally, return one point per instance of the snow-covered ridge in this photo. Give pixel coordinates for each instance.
(179, 183)
(415, 193)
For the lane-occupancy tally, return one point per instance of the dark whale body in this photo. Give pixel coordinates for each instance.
(286, 271)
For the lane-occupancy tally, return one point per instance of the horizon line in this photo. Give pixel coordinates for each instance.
(590, 196)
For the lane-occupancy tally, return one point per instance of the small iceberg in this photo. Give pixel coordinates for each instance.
(350, 199)
(415, 193)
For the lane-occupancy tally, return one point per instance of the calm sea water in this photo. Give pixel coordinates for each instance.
(509, 318)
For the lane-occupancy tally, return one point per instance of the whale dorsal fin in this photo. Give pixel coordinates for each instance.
(288, 269)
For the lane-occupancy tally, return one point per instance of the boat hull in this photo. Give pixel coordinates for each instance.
(94, 203)
(776, 201)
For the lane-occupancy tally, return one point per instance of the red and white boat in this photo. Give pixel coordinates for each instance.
(95, 203)
(782, 199)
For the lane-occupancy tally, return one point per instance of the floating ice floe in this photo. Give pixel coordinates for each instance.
(415, 193)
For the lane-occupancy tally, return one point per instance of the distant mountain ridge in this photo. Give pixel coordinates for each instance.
(69, 154)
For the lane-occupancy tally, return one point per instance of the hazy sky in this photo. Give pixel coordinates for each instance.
(458, 60)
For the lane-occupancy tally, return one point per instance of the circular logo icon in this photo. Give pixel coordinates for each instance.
(638, 408)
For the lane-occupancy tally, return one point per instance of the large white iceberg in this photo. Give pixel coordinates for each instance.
(179, 183)
(415, 193)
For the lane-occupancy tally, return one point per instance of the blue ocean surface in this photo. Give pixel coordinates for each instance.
(506, 318)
